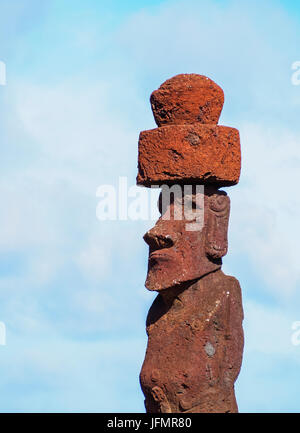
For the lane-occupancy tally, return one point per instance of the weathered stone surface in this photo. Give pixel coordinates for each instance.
(187, 98)
(195, 346)
(194, 327)
(178, 254)
(189, 154)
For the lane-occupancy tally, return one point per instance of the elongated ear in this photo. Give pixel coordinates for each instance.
(217, 225)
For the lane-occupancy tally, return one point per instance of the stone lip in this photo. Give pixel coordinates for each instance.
(203, 154)
(187, 98)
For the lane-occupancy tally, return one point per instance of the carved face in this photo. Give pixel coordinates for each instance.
(179, 251)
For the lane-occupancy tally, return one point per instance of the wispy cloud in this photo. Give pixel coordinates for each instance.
(71, 115)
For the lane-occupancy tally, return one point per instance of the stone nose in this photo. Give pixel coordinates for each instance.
(156, 239)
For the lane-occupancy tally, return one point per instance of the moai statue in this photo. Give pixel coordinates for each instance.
(194, 326)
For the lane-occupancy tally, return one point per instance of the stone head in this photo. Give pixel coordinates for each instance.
(189, 239)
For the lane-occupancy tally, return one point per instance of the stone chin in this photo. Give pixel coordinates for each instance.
(177, 255)
(167, 272)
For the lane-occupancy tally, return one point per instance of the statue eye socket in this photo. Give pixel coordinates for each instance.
(218, 203)
(194, 203)
(190, 201)
(171, 199)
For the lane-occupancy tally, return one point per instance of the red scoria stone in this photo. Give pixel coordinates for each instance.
(195, 153)
(187, 98)
(188, 146)
(194, 326)
(195, 347)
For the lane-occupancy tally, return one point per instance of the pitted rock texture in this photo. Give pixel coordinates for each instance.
(178, 254)
(187, 98)
(195, 346)
(189, 154)
(194, 327)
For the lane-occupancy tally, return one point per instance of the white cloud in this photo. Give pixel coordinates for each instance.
(56, 370)
(269, 379)
(268, 330)
(65, 138)
(243, 51)
(266, 205)
(238, 45)
(94, 261)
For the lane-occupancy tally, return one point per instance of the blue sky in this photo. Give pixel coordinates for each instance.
(72, 296)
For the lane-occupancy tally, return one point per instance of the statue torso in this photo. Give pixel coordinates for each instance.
(195, 335)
